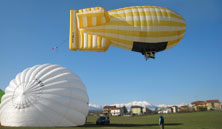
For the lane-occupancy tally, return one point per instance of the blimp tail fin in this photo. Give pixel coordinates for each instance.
(149, 49)
(90, 17)
(91, 42)
(80, 21)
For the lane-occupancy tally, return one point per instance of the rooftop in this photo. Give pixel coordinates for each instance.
(212, 101)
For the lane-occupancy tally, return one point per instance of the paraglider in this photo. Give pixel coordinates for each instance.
(144, 29)
(44, 95)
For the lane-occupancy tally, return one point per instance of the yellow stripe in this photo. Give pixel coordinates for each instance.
(77, 37)
(107, 17)
(91, 14)
(147, 13)
(88, 9)
(80, 21)
(71, 31)
(82, 40)
(97, 8)
(134, 14)
(134, 7)
(158, 13)
(141, 13)
(139, 7)
(108, 42)
(99, 41)
(173, 43)
(120, 46)
(98, 20)
(120, 41)
(146, 23)
(89, 21)
(89, 41)
(138, 33)
(93, 50)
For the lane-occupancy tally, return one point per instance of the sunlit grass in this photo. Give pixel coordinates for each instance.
(196, 120)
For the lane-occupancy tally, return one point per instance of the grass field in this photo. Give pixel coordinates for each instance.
(196, 120)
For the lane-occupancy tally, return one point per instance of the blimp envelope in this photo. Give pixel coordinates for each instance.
(145, 29)
(44, 95)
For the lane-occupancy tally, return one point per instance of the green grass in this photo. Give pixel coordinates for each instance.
(1, 94)
(196, 120)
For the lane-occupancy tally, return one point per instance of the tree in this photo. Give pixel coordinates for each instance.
(125, 111)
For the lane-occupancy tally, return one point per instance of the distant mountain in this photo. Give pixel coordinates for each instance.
(165, 106)
(94, 107)
(137, 103)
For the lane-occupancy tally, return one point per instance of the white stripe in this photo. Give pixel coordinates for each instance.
(103, 20)
(74, 29)
(103, 42)
(143, 10)
(120, 45)
(147, 18)
(122, 18)
(93, 11)
(153, 18)
(140, 39)
(94, 41)
(85, 45)
(135, 18)
(84, 21)
(93, 21)
(79, 39)
(78, 22)
(139, 28)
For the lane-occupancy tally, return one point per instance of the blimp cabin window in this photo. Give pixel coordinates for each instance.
(141, 46)
(149, 49)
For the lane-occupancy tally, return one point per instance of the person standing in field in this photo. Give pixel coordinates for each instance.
(161, 122)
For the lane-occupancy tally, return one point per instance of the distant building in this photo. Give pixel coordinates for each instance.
(112, 111)
(169, 110)
(175, 109)
(95, 112)
(191, 109)
(184, 108)
(199, 105)
(137, 110)
(107, 110)
(144, 110)
(221, 106)
(213, 105)
(116, 111)
(148, 111)
(166, 110)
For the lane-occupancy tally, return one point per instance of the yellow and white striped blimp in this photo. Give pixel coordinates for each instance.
(145, 29)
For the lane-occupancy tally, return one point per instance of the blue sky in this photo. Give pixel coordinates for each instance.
(190, 71)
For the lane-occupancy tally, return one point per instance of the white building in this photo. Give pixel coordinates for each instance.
(175, 109)
(116, 111)
(167, 110)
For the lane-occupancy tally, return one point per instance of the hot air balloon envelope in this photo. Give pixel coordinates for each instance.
(44, 95)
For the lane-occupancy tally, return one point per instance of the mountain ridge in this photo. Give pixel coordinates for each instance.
(133, 103)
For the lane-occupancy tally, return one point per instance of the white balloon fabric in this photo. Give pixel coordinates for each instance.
(44, 96)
